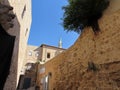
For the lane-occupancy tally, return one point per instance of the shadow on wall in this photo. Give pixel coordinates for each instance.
(6, 48)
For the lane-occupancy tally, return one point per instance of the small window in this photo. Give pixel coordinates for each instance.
(23, 12)
(48, 55)
(37, 54)
(30, 53)
(26, 31)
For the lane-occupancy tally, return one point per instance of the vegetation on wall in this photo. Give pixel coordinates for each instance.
(83, 13)
(92, 66)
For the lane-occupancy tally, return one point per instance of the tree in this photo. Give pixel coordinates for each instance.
(83, 13)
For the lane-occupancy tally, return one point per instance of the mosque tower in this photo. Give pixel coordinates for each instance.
(60, 43)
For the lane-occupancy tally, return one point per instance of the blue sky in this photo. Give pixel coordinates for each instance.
(46, 25)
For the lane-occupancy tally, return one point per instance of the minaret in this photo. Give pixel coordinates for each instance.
(60, 43)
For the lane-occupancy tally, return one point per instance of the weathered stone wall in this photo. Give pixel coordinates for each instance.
(70, 70)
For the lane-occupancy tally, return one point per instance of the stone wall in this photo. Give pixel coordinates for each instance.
(22, 23)
(70, 70)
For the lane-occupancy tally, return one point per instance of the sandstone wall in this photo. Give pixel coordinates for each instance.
(70, 70)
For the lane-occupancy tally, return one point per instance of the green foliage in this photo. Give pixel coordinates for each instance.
(83, 13)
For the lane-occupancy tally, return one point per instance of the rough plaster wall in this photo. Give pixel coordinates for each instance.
(69, 69)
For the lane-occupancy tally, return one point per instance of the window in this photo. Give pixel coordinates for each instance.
(26, 31)
(48, 55)
(23, 12)
(30, 53)
(37, 54)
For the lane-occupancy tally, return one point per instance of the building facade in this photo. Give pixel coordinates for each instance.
(48, 52)
(20, 30)
(41, 53)
(35, 55)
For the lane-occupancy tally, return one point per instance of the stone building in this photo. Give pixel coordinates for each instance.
(71, 70)
(42, 53)
(34, 55)
(19, 27)
(48, 52)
